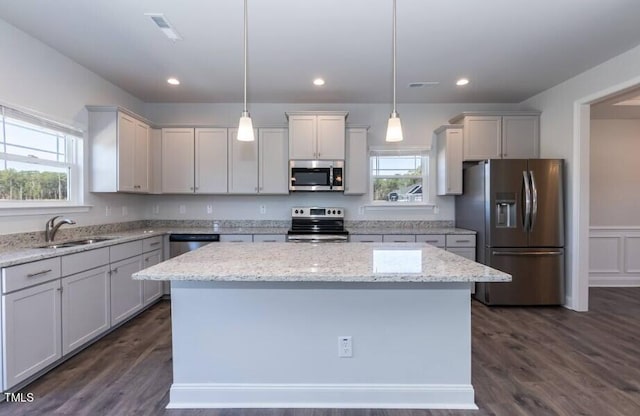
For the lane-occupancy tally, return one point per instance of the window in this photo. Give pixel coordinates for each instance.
(37, 160)
(399, 177)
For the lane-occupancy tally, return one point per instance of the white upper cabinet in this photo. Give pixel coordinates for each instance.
(449, 159)
(194, 160)
(500, 135)
(243, 165)
(314, 135)
(357, 162)
(273, 149)
(120, 147)
(259, 166)
(178, 149)
(211, 161)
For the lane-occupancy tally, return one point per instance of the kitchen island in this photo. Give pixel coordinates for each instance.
(264, 325)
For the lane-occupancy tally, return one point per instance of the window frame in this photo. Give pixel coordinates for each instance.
(423, 153)
(74, 163)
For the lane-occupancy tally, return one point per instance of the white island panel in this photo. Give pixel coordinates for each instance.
(276, 345)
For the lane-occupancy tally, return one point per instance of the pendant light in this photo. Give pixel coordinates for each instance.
(394, 128)
(245, 127)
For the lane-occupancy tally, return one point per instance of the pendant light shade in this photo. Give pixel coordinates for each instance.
(245, 126)
(394, 127)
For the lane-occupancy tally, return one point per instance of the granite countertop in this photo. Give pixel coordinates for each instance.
(12, 256)
(326, 262)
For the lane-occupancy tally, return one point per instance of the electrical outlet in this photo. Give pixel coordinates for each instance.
(436, 209)
(209, 209)
(183, 209)
(125, 211)
(361, 210)
(345, 347)
(156, 209)
(107, 211)
(263, 209)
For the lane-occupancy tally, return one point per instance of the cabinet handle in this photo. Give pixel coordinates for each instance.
(318, 155)
(463, 241)
(154, 244)
(59, 289)
(268, 241)
(191, 188)
(146, 260)
(114, 270)
(39, 273)
(431, 241)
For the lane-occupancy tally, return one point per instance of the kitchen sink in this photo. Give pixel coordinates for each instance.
(76, 242)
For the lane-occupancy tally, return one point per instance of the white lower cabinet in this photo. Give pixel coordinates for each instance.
(85, 307)
(365, 238)
(151, 289)
(126, 293)
(32, 330)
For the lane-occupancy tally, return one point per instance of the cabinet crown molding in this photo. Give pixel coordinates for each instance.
(447, 127)
(115, 108)
(458, 118)
(316, 113)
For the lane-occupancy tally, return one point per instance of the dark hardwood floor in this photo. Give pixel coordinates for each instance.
(526, 361)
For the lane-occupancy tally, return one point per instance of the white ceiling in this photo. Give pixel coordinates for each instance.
(509, 49)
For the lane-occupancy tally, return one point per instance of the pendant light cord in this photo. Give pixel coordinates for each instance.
(245, 56)
(394, 57)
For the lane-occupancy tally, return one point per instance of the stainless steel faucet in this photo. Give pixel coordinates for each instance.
(51, 228)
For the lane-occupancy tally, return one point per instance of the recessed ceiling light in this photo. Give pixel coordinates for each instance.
(462, 81)
(318, 81)
(173, 81)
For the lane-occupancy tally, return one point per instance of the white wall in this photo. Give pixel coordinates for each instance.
(418, 122)
(615, 177)
(564, 134)
(37, 78)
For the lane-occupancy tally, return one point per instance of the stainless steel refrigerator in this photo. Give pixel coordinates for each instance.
(516, 206)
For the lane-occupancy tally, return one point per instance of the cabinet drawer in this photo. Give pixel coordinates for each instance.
(461, 240)
(125, 250)
(150, 244)
(29, 274)
(236, 238)
(268, 238)
(466, 252)
(399, 238)
(437, 240)
(78, 262)
(365, 238)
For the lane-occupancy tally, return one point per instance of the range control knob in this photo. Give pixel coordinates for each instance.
(296, 211)
(339, 212)
(301, 211)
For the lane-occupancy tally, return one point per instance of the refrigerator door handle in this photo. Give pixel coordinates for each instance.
(527, 201)
(534, 200)
(528, 253)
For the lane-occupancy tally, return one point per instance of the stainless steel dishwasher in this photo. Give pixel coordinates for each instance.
(182, 243)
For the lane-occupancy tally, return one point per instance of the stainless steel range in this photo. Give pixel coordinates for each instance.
(317, 225)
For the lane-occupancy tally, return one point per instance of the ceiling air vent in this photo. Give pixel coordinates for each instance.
(422, 84)
(164, 25)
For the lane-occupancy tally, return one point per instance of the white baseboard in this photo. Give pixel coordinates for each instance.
(614, 281)
(362, 396)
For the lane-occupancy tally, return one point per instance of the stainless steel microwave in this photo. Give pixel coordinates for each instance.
(316, 175)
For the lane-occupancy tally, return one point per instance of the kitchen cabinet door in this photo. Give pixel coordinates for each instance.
(151, 289)
(211, 161)
(178, 151)
(482, 137)
(331, 137)
(520, 137)
(85, 307)
(126, 152)
(141, 157)
(32, 328)
(356, 163)
(243, 165)
(126, 293)
(449, 145)
(302, 136)
(273, 148)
